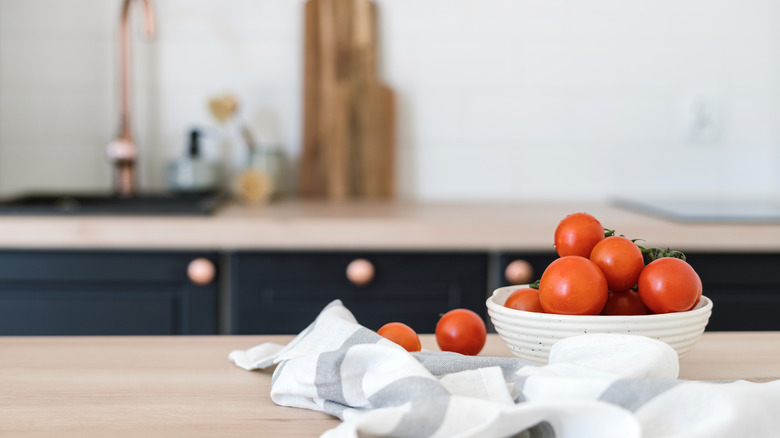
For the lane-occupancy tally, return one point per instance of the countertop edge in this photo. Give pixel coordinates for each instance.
(372, 225)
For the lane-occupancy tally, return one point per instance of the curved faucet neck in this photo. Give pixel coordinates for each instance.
(124, 161)
(124, 49)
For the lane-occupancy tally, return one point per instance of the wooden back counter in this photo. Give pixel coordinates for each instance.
(373, 225)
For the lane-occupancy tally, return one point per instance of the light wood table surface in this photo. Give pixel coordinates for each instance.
(187, 387)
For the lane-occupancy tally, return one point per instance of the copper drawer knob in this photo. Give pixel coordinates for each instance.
(201, 271)
(360, 272)
(519, 272)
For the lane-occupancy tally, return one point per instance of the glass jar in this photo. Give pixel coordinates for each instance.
(272, 163)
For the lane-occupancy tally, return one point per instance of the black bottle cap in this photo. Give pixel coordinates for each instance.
(194, 143)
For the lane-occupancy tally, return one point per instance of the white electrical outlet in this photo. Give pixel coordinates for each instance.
(701, 121)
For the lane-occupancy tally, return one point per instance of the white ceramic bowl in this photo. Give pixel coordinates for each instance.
(531, 334)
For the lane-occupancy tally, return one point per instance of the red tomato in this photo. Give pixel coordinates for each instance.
(461, 331)
(573, 285)
(700, 292)
(577, 234)
(620, 260)
(625, 302)
(669, 285)
(524, 299)
(401, 334)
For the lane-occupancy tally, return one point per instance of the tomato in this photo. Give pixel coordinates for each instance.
(669, 285)
(700, 292)
(401, 334)
(524, 299)
(461, 331)
(620, 260)
(577, 234)
(625, 302)
(573, 285)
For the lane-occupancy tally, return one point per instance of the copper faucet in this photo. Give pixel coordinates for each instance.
(122, 151)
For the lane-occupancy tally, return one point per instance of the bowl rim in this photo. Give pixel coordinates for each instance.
(704, 306)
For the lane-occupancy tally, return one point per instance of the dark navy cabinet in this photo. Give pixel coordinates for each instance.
(55, 292)
(282, 292)
(118, 292)
(744, 289)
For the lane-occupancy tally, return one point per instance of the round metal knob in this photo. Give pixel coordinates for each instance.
(360, 272)
(201, 271)
(519, 272)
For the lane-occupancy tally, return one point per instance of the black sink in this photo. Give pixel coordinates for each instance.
(109, 204)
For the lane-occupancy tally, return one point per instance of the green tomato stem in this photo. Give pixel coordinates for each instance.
(657, 253)
(651, 253)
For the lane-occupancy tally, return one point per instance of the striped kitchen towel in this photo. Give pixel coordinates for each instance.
(594, 386)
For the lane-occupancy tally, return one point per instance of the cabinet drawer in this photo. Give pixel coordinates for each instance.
(283, 292)
(740, 271)
(96, 266)
(744, 288)
(104, 293)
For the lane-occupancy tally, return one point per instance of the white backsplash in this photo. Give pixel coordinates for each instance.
(497, 100)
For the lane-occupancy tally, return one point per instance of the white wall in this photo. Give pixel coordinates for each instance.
(498, 100)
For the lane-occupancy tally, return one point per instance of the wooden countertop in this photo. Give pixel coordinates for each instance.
(187, 387)
(372, 225)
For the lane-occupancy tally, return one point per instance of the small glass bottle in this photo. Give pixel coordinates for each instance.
(273, 163)
(192, 173)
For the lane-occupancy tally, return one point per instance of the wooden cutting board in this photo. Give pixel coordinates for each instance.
(349, 116)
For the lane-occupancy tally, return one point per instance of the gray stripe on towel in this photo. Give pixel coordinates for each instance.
(328, 374)
(542, 430)
(429, 402)
(335, 409)
(632, 394)
(441, 363)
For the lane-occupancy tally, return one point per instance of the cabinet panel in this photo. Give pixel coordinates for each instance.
(744, 289)
(87, 313)
(104, 293)
(283, 292)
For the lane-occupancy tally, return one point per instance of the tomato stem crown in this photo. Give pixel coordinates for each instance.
(657, 253)
(650, 253)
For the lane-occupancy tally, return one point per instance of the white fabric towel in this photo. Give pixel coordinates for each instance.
(594, 386)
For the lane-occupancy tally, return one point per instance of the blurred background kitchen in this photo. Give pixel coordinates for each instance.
(496, 100)
(482, 122)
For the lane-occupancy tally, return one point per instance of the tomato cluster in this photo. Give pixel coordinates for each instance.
(459, 330)
(598, 272)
